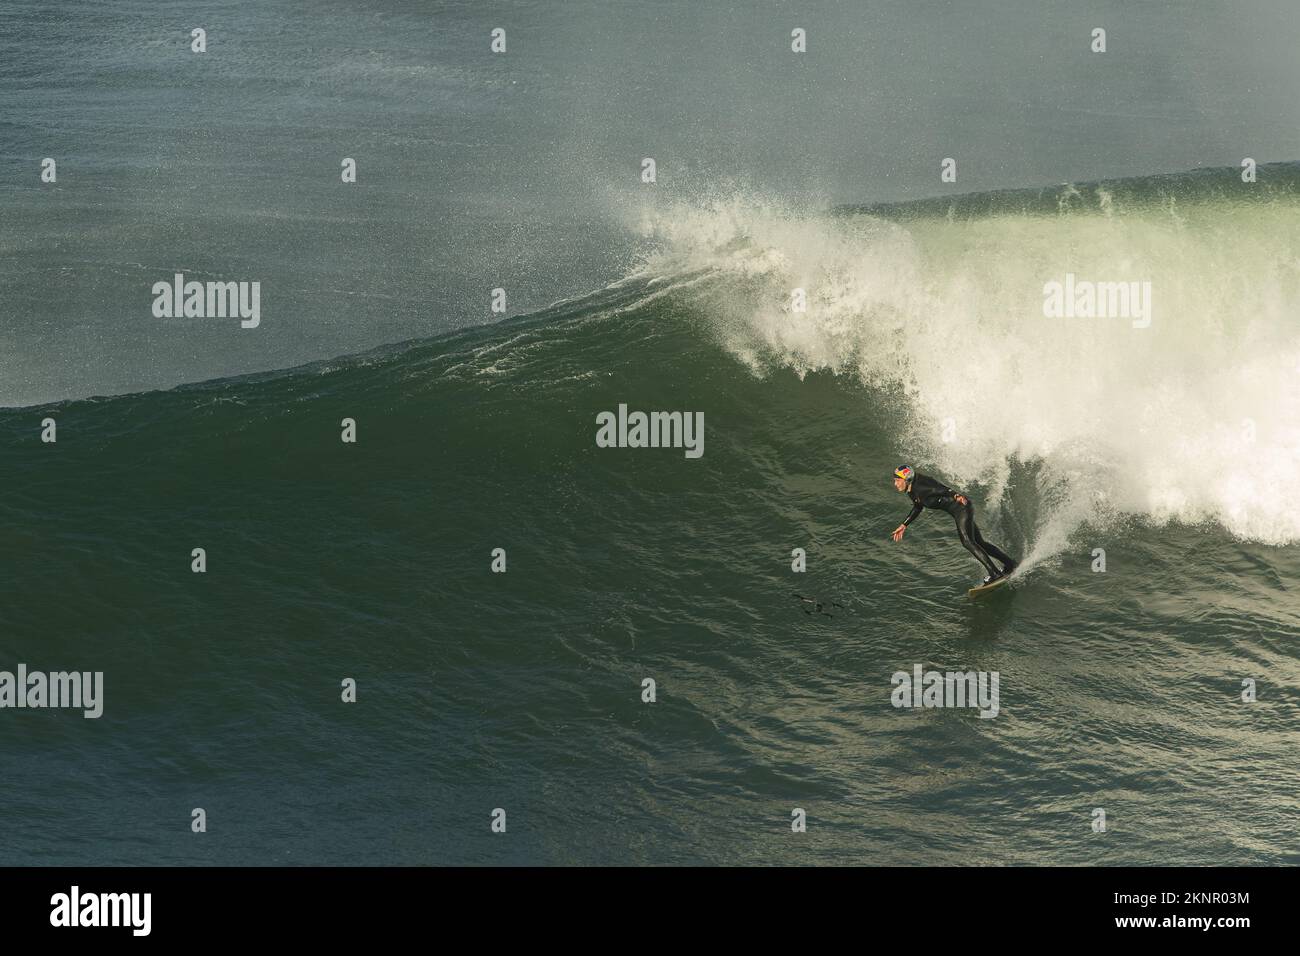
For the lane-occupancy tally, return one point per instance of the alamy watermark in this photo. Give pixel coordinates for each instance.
(1084, 299)
(925, 689)
(208, 300)
(36, 689)
(651, 430)
(75, 909)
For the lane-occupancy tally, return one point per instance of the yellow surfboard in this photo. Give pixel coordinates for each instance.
(983, 588)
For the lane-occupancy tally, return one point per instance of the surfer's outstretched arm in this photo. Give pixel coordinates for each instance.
(898, 532)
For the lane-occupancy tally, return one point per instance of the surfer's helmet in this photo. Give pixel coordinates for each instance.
(905, 472)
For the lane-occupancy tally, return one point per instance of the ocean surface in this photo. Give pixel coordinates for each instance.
(1171, 450)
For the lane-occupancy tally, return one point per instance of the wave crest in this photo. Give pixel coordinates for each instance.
(1194, 418)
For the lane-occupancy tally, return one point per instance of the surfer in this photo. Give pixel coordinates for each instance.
(926, 492)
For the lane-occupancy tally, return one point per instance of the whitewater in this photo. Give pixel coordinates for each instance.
(1194, 419)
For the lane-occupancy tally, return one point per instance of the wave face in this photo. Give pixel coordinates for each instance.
(372, 560)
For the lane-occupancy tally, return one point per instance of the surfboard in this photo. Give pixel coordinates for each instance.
(983, 588)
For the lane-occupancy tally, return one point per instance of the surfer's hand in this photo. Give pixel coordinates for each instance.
(962, 499)
(898, 532)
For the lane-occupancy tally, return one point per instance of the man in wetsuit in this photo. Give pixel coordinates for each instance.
(925, 492)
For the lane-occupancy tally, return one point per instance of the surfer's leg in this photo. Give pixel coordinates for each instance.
(966, 531)
(1008, 562)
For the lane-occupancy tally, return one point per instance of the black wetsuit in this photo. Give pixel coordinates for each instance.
(928, 493)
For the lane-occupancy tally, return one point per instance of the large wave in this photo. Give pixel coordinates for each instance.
(1195, 418)
(937, 308)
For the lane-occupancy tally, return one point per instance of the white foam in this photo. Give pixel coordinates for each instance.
(1194, 419)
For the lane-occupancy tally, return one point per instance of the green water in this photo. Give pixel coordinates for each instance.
(522, 690)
